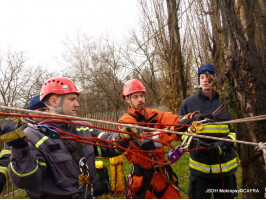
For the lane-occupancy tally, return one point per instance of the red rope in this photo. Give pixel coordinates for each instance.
(97, 141)
(108, 129)
(62, 118)
(222, 176)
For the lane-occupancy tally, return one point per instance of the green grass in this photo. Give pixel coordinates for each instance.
(181, 168)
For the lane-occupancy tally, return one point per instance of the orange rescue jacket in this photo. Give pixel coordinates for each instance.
(160, 120)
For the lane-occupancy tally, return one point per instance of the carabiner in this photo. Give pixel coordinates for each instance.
(83, 166)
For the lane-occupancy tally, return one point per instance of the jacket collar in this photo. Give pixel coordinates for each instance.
(214, 94)
(137, 112)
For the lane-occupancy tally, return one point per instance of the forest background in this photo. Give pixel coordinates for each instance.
(172, 39)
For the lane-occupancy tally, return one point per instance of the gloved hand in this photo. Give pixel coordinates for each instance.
(199, 116)
(215, 148)
(196, 116)
(200, 144)
(10, 133)
(128, 129)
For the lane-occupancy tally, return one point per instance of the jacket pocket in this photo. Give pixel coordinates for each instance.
(63, 168)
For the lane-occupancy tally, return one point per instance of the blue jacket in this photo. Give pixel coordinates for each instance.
(203, 104)
(203, 163)
(4, 161)
(46, 169)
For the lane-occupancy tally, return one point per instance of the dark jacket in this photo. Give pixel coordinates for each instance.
(46, 169)
(203, 104)
(4, 161)
(204, 163)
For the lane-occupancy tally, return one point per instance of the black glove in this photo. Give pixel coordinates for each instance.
(215, 148)
(200, 144)
(186, 121)
(195, 116)
(10, 133)
(198, 117)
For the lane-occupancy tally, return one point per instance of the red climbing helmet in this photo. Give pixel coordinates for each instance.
(58, 85)
(133, 86)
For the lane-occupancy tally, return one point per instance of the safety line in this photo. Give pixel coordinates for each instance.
(256, 118)
(246, 119)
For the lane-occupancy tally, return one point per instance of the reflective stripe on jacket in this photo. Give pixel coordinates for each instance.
(206, 163)
(4, 161)
(46, 168)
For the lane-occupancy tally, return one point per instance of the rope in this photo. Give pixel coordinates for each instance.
(255, 118)
(247, 119)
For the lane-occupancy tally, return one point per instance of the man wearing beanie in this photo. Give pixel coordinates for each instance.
(35, 104)
(212, 169)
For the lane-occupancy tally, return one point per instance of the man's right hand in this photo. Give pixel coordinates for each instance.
(128, 129)
(10, 133)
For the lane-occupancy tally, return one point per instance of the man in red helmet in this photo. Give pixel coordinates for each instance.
(148, 180)
(50, 168)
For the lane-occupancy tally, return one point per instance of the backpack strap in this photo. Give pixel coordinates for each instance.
(74, 148)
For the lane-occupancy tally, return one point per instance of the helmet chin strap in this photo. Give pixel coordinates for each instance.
(130, 104)
(58, 109)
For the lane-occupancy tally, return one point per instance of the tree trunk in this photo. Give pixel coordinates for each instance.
(244, 82)
(176, 61)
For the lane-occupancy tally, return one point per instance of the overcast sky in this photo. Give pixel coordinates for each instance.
(39, 27)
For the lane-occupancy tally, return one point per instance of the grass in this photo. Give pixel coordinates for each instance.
(181, 168)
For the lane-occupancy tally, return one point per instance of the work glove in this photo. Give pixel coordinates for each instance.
(191, 117)
(199, 116)
(10, 133)
(131, 130)
(216, 148)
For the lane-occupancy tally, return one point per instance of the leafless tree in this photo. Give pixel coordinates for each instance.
(18, 81)
(97, 67)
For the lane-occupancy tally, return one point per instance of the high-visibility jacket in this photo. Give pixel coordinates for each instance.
(212, 164)
(155, 183)
(4, 161)
(202, 163)
(47, 169)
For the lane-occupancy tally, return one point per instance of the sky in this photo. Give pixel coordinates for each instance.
(39, 27)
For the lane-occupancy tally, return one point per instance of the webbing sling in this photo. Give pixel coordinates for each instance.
(74, 148)
(142, 118)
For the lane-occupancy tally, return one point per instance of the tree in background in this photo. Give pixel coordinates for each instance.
(97, 68)
(18, 81)
(244, 83)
